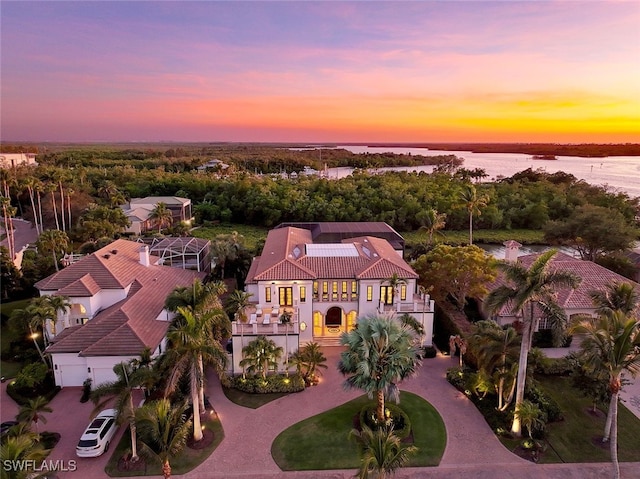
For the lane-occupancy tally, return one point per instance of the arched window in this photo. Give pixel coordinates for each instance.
(333, 318)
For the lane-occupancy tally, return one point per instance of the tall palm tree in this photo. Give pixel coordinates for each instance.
(164, 430)
(381, 451)
(474, 205)
(161, 215)
(191, 347)
(28, 318)
(238, 302)
(285, 318)
(611, 345)
(29, 183)
(128, 379)
(53, 242)
(61, 176)
(8, 213)
(379, 354)
(432, 222)
(51, 189)
(617, 296)
(40, 188)
(260, 355)
(529, 290)
(307, 360)
(33, 411)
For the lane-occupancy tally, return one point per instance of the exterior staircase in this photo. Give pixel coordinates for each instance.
(335, 341)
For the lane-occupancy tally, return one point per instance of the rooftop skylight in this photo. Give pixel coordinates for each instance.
(332, 250)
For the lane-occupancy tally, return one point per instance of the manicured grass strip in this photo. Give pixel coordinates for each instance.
(572, 438)
(252, 234)
(185, 461)
(253, 401)
(479, 236)
(321, 442)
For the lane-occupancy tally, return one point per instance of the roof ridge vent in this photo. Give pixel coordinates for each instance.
(366, 251)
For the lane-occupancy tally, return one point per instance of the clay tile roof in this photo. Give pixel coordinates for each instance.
(284, 257)
(85, 286)
(137, 321)
(593, 278)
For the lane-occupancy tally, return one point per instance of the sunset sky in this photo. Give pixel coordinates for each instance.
(532, 71)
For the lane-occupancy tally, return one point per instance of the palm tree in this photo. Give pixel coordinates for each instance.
(30, 184)
(53, 241)
(238, 302)
(617, 296)
(285, 318)
(526, 290)
(496, 350)
(32, 411)
(474, 205)
(530, 417)
(164, 430)
(161, 215)
(192, 346)
(432, 222)
(260, 355)
(611, 345)
(197, 296)
(57, 304)
(39, 188)
(379, 354)
(51, 189)
(395, 282)
(382, 452)
(32, 318)
(24, 449)
(8, 212)
(128, 379)
(310, 357)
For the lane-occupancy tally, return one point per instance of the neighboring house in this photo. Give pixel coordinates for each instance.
(214, 164)
(138, 211)
(117, 296)
(573, 301)
(634, 257)
(9, 160)
(326, 287)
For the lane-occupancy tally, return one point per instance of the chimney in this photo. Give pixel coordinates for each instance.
(511, 250)
(144, 255)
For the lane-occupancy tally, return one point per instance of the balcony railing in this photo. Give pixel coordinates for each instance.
(266, 321)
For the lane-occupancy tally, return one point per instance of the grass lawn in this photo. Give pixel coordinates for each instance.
(328, 432)
(572, 440)
(479, 236)
(184, 462)
(9, 369)
(252, 234)
(253, 401)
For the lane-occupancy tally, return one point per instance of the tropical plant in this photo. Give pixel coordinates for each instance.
(381, 452)
(611, 345)
(286, 318)
(57, 304)
(308, 361)
(53, 242)
(527, 291)
(33, 411)
(22, 449)
(474, 205)
(617, 296)
(8, 212)
(32, 319)
(238, 302)
(260, 355)
(161, 215)
(128, 380)
(380, 353)
(431, 222)
(163, 431)
(395, 282)
(199, 295)
(191, 347)
(530, 416)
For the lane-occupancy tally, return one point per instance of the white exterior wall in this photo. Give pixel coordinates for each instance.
(102, 368)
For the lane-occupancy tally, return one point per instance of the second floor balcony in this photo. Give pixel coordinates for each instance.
(267, 321)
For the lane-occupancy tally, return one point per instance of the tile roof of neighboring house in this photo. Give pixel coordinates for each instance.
(593, 278)
(284, 257)
(85, 286)
(127, 326)
(153, 200)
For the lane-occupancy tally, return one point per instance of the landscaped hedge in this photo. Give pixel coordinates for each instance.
(46, 389)
(544, 339)
(443, 328)
(272, 384)
(396, 418)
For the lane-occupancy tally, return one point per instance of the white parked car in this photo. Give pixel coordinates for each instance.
(97, 436)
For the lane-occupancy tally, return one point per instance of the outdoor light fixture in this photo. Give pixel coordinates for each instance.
(303, 326)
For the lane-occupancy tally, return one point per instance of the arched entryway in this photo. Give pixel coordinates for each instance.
(333, 319)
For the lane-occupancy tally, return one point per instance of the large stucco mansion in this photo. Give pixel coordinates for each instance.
(327, 275)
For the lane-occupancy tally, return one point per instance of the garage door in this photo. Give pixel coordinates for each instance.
(71, 375)
(102, 375)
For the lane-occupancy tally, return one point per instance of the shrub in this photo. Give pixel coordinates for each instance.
(31, 376)
(273, 384)
(86, 390)
(396, 417)
(429, 352)
(555, 366)
(549, 407)
(46, 388)
(544, 339)
(443, 328)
